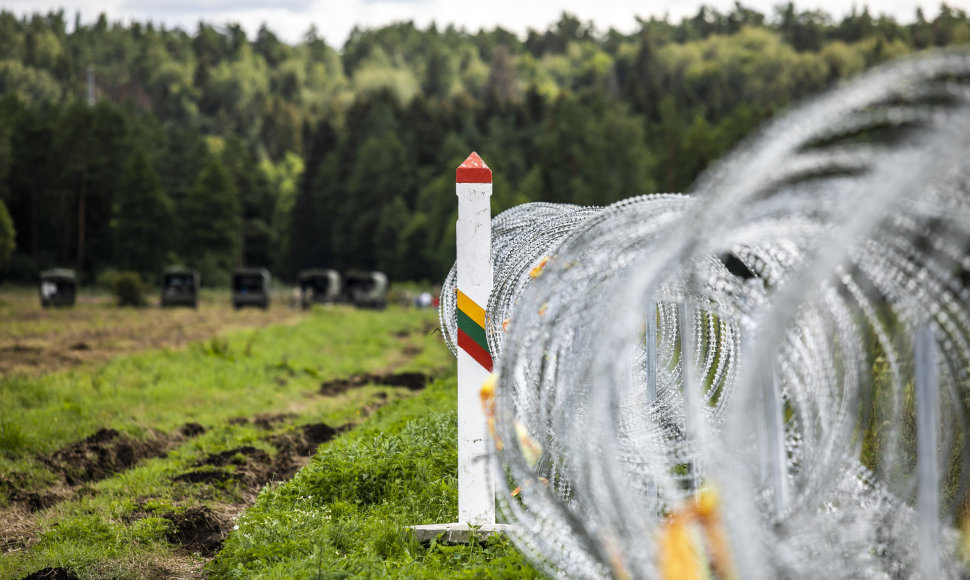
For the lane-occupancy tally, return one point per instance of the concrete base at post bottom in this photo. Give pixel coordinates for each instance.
(458, 533)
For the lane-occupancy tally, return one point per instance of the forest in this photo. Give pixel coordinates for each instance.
(131, 147)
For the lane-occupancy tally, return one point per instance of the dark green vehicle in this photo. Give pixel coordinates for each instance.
(318, 286)
(250, 287)
(366, 289)
(180, 287)
(58, 287)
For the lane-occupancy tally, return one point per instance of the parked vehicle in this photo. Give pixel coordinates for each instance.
(250, 287)
(366, 289)
(318, 286)
(58, 287)
(180, 287)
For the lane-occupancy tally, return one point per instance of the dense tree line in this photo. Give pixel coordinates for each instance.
(213, 149)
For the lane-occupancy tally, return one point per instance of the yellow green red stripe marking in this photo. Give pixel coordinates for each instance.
(474, 331)
(472, 310)
(471, 330)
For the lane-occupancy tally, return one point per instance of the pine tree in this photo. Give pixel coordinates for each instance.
(211, 222)
(143, 219)
(256, 199)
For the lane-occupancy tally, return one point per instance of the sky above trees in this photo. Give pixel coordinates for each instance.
(334, 19)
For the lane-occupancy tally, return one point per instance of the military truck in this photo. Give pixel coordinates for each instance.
(250, 287)
(318, 286)
(58, 287)
(180, 287)
(366, 289)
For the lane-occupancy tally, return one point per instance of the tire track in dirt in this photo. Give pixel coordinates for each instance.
(101, 455)
(108, 452)
(51, 574)
(202, 529)
(410, 381)
(198, 528)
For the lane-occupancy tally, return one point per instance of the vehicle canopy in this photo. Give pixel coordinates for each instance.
(180, 270)
(59, 275)
(58, 287)
(248, 280)
(250, 287)
(180, 276)
(318, 285)
(180, 286)
(367, 289)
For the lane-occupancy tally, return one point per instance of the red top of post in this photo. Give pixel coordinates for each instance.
(473, 170)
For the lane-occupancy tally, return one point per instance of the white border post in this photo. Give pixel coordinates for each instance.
(476, 491)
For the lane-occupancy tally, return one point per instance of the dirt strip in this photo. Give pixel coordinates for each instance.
(34, 340)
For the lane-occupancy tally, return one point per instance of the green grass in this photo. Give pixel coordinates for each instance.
(345, 514)
(342, 516)
(244, 373)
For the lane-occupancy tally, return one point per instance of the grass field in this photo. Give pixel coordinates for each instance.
(140, 462)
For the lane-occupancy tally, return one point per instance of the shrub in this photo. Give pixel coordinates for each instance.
(106, 279)
(129, 289)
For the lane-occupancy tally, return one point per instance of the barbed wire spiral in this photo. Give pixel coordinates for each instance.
(723, 384)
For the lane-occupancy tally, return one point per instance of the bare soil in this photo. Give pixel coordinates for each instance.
(104, 453)
(410, 381)
(198, 529)
(51, 574)
(99, 456)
